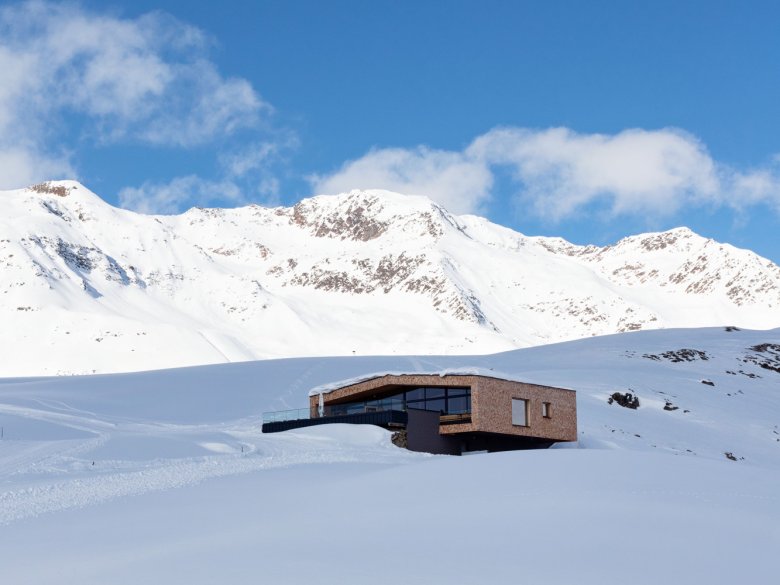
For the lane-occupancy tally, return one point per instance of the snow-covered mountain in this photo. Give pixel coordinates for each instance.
(87, 287)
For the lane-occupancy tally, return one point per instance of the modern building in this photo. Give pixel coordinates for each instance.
(448, 413)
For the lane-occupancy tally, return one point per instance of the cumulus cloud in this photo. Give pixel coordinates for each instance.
(456, 180)
(20, 166)
(170, 197)
(559, 172)
(257, 156)
(757, 186)
(638, 171)
(147, 79)
(245, 174)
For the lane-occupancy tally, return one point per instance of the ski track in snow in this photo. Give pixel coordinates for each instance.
(44, 467)
(107, 484)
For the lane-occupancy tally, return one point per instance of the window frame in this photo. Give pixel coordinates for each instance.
(526, 404)
(546, 409)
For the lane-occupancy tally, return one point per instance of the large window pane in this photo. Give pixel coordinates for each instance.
(458, 405)
(373, 406)
(416, 394)
(520, 412)
(356, 407)
(446, 400)
(434, 393)
(437, 404)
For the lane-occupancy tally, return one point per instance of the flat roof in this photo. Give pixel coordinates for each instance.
(482, 372)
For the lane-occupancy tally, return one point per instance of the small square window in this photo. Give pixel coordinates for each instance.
(546, 409)
(520, 412)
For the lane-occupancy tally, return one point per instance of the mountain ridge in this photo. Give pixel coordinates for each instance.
(88, 287)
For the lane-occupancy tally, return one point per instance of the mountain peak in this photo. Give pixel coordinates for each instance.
(68, 192)
(368, 214)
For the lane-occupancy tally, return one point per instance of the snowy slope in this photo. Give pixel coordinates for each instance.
(164, 476)
(86, 287)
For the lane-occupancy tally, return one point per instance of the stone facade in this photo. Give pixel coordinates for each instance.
(491, 404)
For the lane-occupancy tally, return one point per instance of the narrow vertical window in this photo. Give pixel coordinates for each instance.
(520, 412)
(546, 409)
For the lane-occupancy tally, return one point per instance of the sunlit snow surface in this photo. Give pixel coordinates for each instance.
(164, 477)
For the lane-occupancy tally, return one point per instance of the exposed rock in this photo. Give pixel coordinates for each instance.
(626, 400)
(678, 356)
(659, 241)
(356, 221)
(769, 358)
(49, 188)
(76, 257)
(399, 439)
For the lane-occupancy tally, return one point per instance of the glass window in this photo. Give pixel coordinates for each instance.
(356, 407)
(393, 404)
(391, 399)
(546, 410)
(437, 404)
(435, 393)
(458, 405)
(416, 394)
(445, 400)
(520, 412)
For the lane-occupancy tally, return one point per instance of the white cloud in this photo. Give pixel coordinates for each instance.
(257, 156)
(635, 171)
(215, 107)
(558, 172)
(146, 79)
(246, 174)
(458, 182)
(171, 197)
(757, 186)
(19, 166)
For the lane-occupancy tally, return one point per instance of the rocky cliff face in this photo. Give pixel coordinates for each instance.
(88, 287)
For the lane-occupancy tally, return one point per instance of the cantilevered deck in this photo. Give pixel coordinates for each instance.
(383, 418)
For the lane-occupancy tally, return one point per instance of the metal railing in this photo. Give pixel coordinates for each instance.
(283, 415)
(334, 410)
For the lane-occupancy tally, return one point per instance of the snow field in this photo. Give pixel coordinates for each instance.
(164, 477)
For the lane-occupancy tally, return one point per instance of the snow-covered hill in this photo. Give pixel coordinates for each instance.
(165, 477)
(87, 287)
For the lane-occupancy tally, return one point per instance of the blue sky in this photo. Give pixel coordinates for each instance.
(588, 120)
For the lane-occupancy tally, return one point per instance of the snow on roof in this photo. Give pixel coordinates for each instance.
(465, 371)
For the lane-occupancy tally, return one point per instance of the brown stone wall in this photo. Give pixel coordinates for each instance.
(491, 409)
(491, 403)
